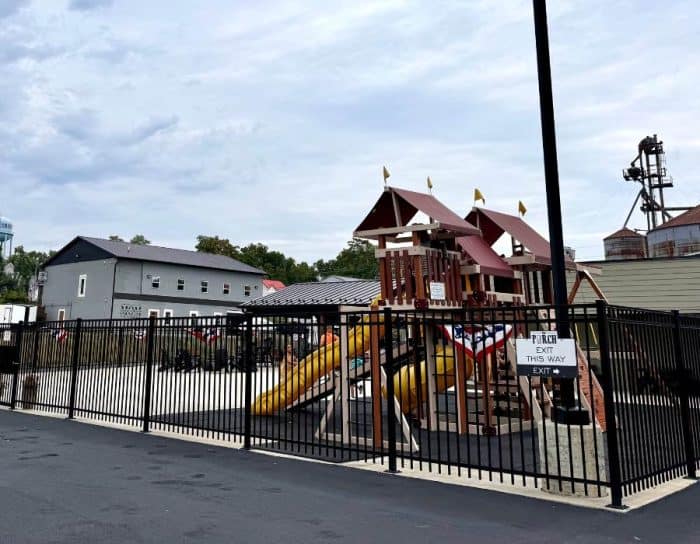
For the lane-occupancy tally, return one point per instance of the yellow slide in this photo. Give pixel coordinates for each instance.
(406, 389)
(312, 367)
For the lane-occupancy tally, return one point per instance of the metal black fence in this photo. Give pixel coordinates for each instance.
(423, 390)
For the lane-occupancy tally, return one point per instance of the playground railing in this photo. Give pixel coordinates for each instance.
(427, 390)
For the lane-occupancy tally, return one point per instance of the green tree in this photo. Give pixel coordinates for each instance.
(27, 265)
(357, 261)
(115, 238)
(217, 246)
(140, 240)
(275, 264)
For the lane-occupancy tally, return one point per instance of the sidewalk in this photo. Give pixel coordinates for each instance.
(63, 481)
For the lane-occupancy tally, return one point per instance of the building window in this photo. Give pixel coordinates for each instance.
(155, 282)
(153, 313)
(167, 315)
(180, 285)
(194, 314)
(82, 284)
(205, 286)
(227, 288)
(246, 290)
(61, 315)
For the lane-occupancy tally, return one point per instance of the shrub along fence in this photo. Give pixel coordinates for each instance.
(430, 390)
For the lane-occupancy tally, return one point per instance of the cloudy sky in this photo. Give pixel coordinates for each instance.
(267, 121)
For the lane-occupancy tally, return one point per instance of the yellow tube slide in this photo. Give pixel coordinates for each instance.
(314, 366)
(406, 388)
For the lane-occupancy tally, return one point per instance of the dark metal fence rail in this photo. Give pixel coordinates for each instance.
(389, 387)
(654, 359)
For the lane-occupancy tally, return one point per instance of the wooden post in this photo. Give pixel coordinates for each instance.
(430, 370)
(397, 274)
(408, 272)
(485, 367)
(460, 386)
(382, 268)
(418, 270)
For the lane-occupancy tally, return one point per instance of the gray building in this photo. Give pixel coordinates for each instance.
(94, 278)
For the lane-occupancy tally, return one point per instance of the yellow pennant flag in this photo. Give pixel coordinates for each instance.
(521, 207)
(430, 183)
(385, 173)
(478, 196)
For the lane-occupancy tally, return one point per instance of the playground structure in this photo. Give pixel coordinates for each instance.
(457, 306)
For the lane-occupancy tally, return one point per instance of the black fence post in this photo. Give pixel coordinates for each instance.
(74, 369)
(249, 364)
(683, 396)
(149, 374)
(16, 365)
(609, 401)
(390, 398)
(35, 349)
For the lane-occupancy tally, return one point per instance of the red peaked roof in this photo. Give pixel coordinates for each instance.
(691, 217)
(623, 233)
(494, 224)
(409, 203)
(274, 284)
(482, 254)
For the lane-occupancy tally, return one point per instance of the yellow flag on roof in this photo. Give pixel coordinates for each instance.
(478, 196)
(385, 173)
(521, 208)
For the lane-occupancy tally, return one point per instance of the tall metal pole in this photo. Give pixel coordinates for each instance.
(551, 175)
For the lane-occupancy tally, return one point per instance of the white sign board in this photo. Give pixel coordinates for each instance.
(437, 290)
(545, 354)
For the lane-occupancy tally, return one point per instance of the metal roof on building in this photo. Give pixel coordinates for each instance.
(125, 250)
(351, 293)
(623, 233)
(274, 284)
(691, 217)
(409, 203)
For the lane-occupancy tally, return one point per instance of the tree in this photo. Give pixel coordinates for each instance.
(140, 240)
(25, 265)
(274, 263)
(217, 246)
(357, 261)
(115, 238)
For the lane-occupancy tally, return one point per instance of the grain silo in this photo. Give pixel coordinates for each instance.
(624, 244)
(676, 237)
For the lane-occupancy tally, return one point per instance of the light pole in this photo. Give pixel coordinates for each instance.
(567, 412)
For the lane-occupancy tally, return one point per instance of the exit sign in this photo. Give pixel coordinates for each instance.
(546, 355)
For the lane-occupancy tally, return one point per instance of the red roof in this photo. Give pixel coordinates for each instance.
(482, 254)
(691, 217)
(494, 224)
(277, 285)
(409, 203)
(623, 233)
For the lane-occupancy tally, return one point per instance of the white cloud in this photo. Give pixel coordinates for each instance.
(272, 124)
(87, 5)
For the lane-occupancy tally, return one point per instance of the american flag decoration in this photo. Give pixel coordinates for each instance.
(478, 341)
(207, 336)
(60, 335)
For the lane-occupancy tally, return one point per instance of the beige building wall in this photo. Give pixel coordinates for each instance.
(657, 284)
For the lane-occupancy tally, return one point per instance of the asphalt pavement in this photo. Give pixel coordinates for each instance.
(69, 482)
